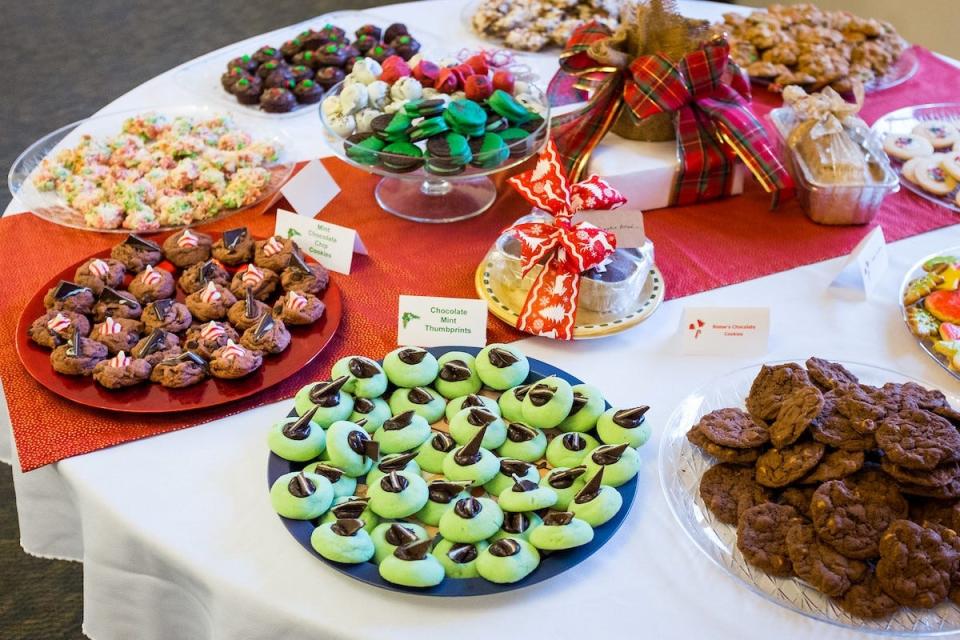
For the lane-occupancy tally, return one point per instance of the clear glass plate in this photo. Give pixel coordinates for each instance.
(903, 121)
(52, 207)
(899, 72)
(681, 466)
(926, 344)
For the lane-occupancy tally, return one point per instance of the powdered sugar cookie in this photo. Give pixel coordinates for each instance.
(931, 177)
(951, 164)
(942, 135)
(904, 146)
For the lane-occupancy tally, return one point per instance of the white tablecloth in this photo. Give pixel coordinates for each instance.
(178, 539)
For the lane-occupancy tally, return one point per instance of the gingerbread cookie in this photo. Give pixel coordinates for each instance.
(729, 490)
(819, 565)
(797, 411)
(780, 467)
(771, 386)
(762, 537)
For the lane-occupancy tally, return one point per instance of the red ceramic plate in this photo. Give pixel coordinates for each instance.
(307, 342)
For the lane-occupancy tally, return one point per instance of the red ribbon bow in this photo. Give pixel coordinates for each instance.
(708, 94)
(551, 304)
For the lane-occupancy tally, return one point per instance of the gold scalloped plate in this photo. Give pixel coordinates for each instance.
(648, 301)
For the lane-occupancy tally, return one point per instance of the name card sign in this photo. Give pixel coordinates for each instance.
(625, 224)
(311, 189)
(434, 322)
(725, 331)
(865, 266)
(329, 244)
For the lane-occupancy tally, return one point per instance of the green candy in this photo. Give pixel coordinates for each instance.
(423, 401)
(458, 375)
(297, 439)
(342, 484)
(411, 367)
(411, 565)
(570, 449)
(403, 432)
(459, 559)
(350, 448)
(547, 403)
(471, 462)
(397, 495)
(471, 520)
(566, 483)
(343, 541)
(396, 130)
(393, 462)
(513, 136)
(431, 454)
(523, 442)
(502, 366)
(301, 496)
(472, 400)
(387, 536)
(511, 403)
(365, 377)
(365, 151)
(332, 402)
(352, 507)
(620, 462)
(517, 525)
(489, 151)
(468, 422)
(588, 405)
(596, 503)
(442, 496)
(429, 127)
(466, 114)
(508, 560)
(504, 478)
(375, 411)
(624, 426)
(425, 107)
(509, 107)
(561, 530)
(526, 495)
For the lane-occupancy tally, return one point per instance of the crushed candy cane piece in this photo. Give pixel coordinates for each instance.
(110, 327)
(272, 247)
(211, 293)
(151, 276)
(120, 360)
(232, 350)
(295, 301)
(59, 323)
(99, 268)
(252, 276)
(211, 331)
(187, 240)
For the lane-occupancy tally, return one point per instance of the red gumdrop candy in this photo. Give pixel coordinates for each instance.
(503, 80)
(478, 88)
(479, 64)
(448, 81)
(426, 72)
(465, 70)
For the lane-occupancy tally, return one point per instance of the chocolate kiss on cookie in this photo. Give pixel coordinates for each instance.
(301, 486)
(590, 490)
(468, 508)
(347, 526)
(300, 430)
(327, 394)
(573, 441)
(161, 307)
(111, 295)
(463, 552)
(472, 400)
(412, 355)
(419, 395)
(515, 522)
(443, 491)
(630, 418)
(67, 289)
(519, 432)
(442, 442)
(142, 244)
(480, 417)
(399, 421)
(521, 485)
(396, 462)
(350, 509)
(156, 339)
(566, 477)
(233, 237)
(75, 350)
(504, 548)
(501, 358)
(362, 368)
(414, 550)
(330, 473)
(455, 371)
(398, 535)
(558, 519)
(608, 454)
(470, 453)
(359, 442)
(393, 482)
(514, 468)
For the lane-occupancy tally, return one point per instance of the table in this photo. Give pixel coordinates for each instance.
(178, 538)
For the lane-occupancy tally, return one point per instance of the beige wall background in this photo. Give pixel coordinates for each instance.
(935, 24)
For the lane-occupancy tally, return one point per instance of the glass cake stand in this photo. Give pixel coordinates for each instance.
(421, 196)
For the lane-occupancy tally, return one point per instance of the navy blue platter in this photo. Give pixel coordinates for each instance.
(551, 563)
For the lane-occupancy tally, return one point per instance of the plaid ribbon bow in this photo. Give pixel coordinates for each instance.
(706, 91)
(569, 248)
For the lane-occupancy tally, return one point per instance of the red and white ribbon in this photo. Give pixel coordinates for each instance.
(211, 294)
(211, 331)
(295, 301)
(99, 268)
(58, 323)
(110, 327)
(151, 276)
(272, 247)
(232, 351)
(187, 240)
(120, 360)
(570, 248)
(252, 276)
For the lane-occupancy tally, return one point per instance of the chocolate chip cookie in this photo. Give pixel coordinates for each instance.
(721, 453)
(799, 498)
(733, 428)
(867, 600)
(780, 467)
(762, 536)
(915, 564)
(851, 514)
(936, 477)
(797, 411)
(835, 465)
(835, 429)
(918, 439)
(729, 490)
(820, 565)
(945, 513)
(827, 375)
(771, 386)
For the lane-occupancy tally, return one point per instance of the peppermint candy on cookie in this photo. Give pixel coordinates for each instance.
(120, 360)
(211, 331)
(942, 135)
(58, 323)
(272, 247)
(904, 146)
(295, 301)
(110, 327)
(99, 268)
(252, 276)
(151, 277)
(232, 350)
(187, 240)
(211, 293)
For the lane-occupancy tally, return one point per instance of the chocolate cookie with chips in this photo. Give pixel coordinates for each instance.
(916, 565)
(827, 375)
(721, 453)
(799, 498)
(819, 565)
(797, 411)
(729, 490)
(835, 465)
(733, 428)
(780, 467)
(762, 537)
(918, 439)
(771, 386)
(837, 430)
(867, 600)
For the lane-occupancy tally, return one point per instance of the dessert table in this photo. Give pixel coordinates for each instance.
(178, 538)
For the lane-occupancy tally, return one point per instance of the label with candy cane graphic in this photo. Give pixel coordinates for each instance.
(232, 350)
(59, 323)
(272, 247)
(110, 327)
(211, 294)
(295, 301)
(187, 240)
(252, 276)
(99, 268)
(120, 360)
(151, 276)
(211, 331)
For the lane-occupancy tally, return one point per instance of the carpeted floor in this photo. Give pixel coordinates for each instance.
(62, 61)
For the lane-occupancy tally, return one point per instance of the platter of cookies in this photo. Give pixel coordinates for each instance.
(183, 323)
(534, 25)
(924, 144)
(453, 471)
(832, 489)
(928, 296)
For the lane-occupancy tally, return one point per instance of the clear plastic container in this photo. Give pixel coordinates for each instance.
(834, 203)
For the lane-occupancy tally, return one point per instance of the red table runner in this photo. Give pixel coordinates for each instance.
(698, 248)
